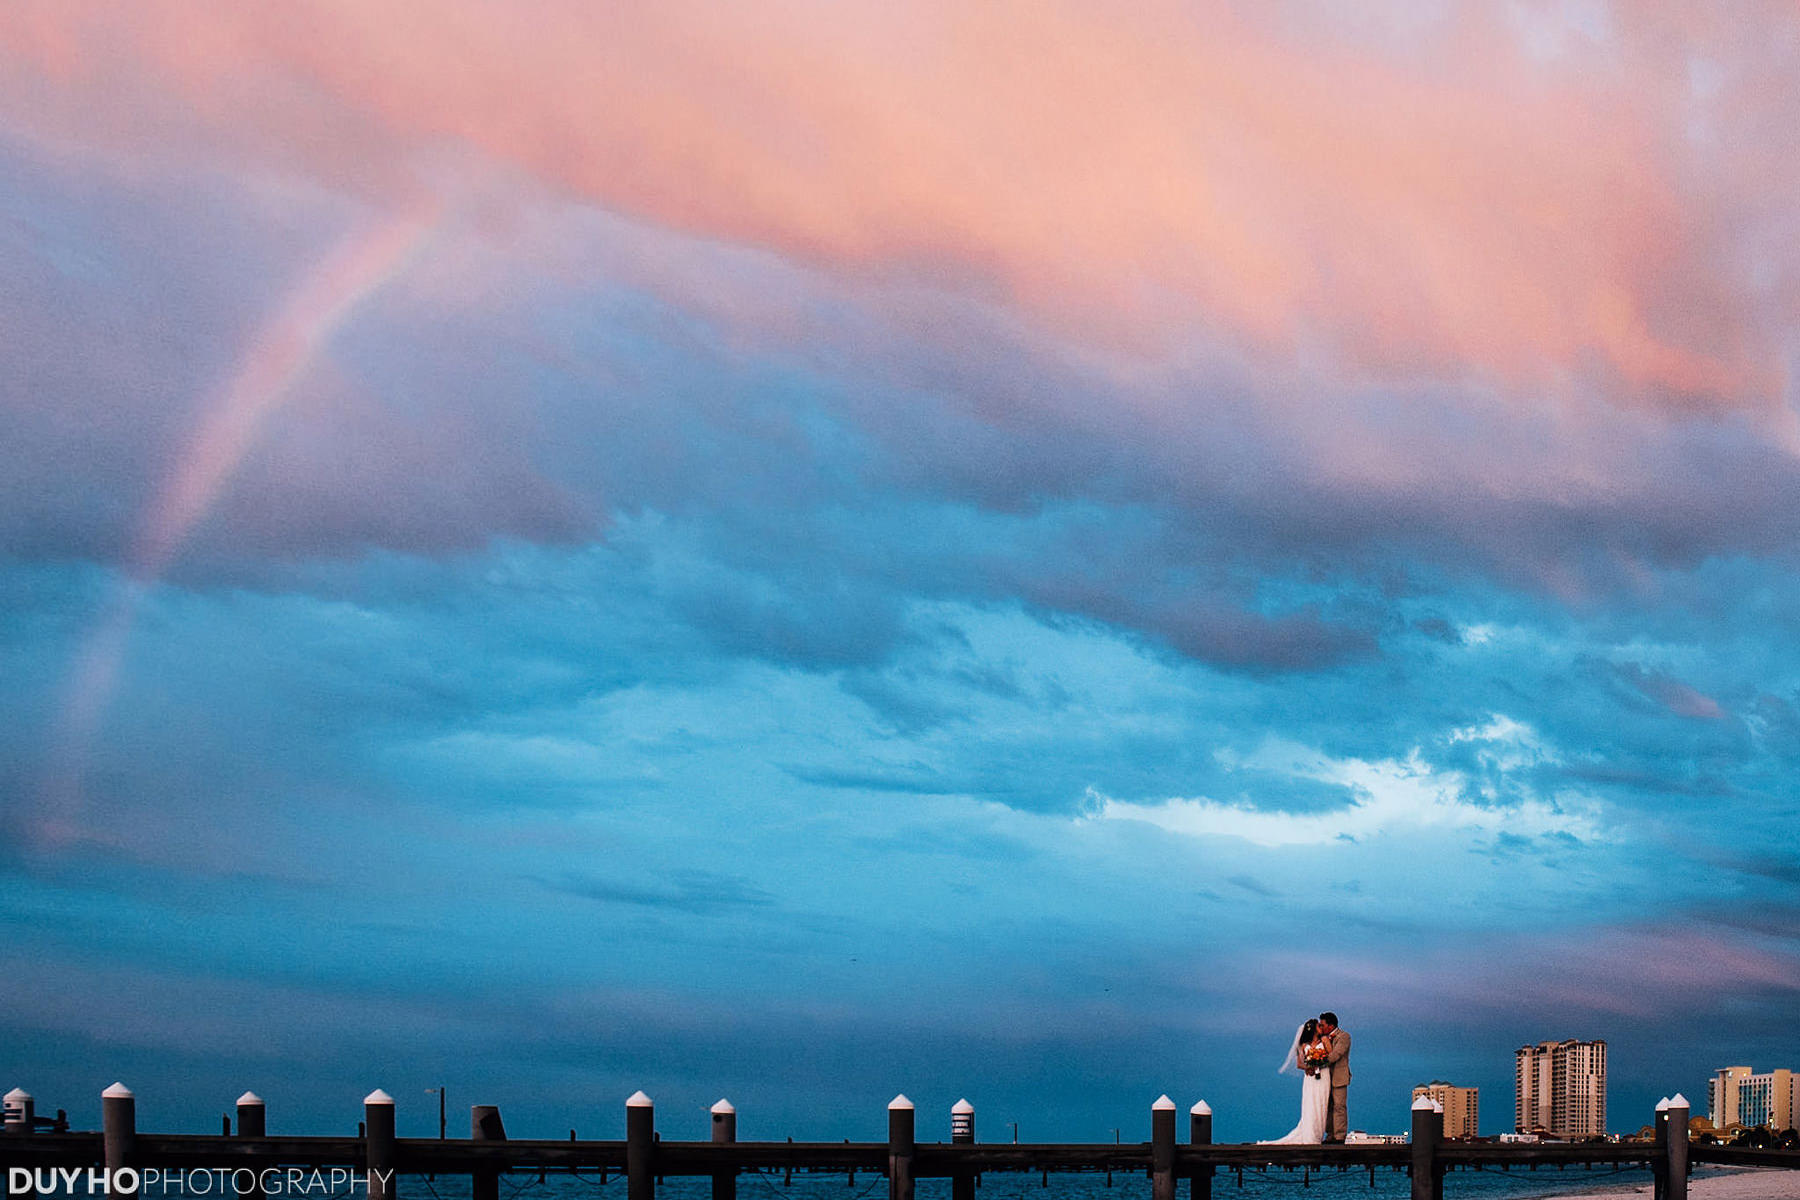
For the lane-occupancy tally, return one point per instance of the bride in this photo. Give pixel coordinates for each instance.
(1315, 1086)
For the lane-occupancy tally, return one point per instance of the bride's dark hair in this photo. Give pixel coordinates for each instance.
(1308, 1031)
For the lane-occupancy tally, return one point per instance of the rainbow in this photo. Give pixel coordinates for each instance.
(263, 378)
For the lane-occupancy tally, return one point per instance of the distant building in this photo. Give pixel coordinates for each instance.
(1460, 1104)
(1561, 1088)
(1739, 1096)
(1722, 1095)
(1357, 1137)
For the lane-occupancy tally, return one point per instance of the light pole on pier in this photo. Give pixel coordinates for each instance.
(440, 1093)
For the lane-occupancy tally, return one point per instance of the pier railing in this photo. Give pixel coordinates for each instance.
(128, 1160)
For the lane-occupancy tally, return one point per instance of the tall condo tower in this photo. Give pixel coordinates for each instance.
(1561, 1088)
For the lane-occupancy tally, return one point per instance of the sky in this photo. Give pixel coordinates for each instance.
(802, 551)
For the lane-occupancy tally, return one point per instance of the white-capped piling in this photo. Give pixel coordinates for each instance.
(1427, 1132)
(1677, 1154)
(962, 1133)
(252, 1122)
(1162, 1149)
(724, 1132)
(962, 1121)
(378, 1144)
(1200, 1134)
(485, 1126)
(252, 1116)
(1659, 1162)
(118, 1125)
(640, 1147)
(900, 1148)
(21, 1114)
(21, 1111)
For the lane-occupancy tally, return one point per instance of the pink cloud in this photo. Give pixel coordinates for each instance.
(1672, 694)
(1456, 205)
(1605, 971)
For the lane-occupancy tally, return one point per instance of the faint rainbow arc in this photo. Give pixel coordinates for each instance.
(277, 356)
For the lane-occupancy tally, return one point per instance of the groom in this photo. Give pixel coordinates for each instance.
(1338, 1121)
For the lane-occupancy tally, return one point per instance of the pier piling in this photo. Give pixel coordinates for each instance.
(900, 1148)
(1659, 1164)
(640, 1147)
(724, 1131)
(20, 1110)
(1427, 1133)
(1162, 1149)
(962, 1133)
(485, 1126)
(378, 1144)
(1200, 1134)
(1677, 1117)
(118, 1124)
(252, 1122)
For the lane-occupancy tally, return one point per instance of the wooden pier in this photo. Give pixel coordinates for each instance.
(642, 1158)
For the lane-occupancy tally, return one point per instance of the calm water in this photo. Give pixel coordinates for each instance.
(1331, 1185)
(1322, 1185)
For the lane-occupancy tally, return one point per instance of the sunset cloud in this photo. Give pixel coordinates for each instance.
(1461, 205)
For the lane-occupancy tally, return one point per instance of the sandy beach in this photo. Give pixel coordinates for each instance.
(1749, 1183)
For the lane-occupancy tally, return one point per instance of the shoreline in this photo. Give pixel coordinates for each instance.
(1709, 1183)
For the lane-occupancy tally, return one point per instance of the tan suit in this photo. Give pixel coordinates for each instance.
(1339, 1117)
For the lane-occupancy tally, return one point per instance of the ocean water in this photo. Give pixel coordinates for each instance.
(997, 1185)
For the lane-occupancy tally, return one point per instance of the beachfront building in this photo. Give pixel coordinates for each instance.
(1561, 1088)
(1460, 1104)
(1740, 1096)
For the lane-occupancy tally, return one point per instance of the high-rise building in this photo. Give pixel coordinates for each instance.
(1532, 1083)
(1739, 1096)
(1561, 1088)
(1722, 1095)
(1461, 1106)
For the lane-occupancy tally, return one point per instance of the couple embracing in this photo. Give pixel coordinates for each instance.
(1321, 1051)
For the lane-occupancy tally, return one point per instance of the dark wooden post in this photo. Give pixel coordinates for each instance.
(900, 1148)
(485, 1126)
(1659, 1158)
(252, 1122)
(1427, 1132)
(378, 1144)
(118, 1123)
(1678, 1147)
(1162, 1149)
(962, 1133)
(1200, 1134)
(640, 1148)
(724, 1132)
(252, 1116)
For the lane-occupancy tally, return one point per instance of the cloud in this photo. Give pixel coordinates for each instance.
(1672, 694)
(543, 384)
(1380, 797)
(684, 891)
(1128, 175)
(242, 424)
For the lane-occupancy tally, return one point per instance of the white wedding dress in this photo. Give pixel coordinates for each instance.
(1315, 1103)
